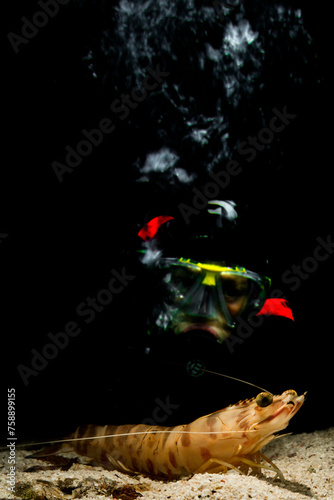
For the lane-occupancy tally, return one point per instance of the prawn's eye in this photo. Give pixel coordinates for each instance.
(264, 399)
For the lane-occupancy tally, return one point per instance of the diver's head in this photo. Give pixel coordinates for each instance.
(207, 273)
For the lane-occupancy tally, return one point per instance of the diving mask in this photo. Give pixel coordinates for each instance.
(202, 291)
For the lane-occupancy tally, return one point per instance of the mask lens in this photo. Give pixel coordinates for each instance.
(235, 290)
(181, 279)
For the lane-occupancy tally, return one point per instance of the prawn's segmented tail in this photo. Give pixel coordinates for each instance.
(54, 449)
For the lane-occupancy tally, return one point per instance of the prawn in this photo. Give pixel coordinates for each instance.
(230, 438)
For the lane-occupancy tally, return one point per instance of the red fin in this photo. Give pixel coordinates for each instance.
(150, 229)
(276, 307)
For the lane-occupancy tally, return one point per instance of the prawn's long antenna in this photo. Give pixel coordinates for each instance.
(70, 440)
(237, 379)
(226, 376)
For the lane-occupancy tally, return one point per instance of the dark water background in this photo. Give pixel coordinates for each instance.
(226, 74)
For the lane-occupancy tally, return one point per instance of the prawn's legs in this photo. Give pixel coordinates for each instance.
(119, 466)
(259, 465)
(224, 466)
(220, 467)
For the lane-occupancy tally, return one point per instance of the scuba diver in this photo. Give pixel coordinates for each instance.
(210, 310)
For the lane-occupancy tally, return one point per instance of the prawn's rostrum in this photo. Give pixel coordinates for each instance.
(230, 438)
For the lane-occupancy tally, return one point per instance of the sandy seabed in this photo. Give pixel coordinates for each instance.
(306, 460)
